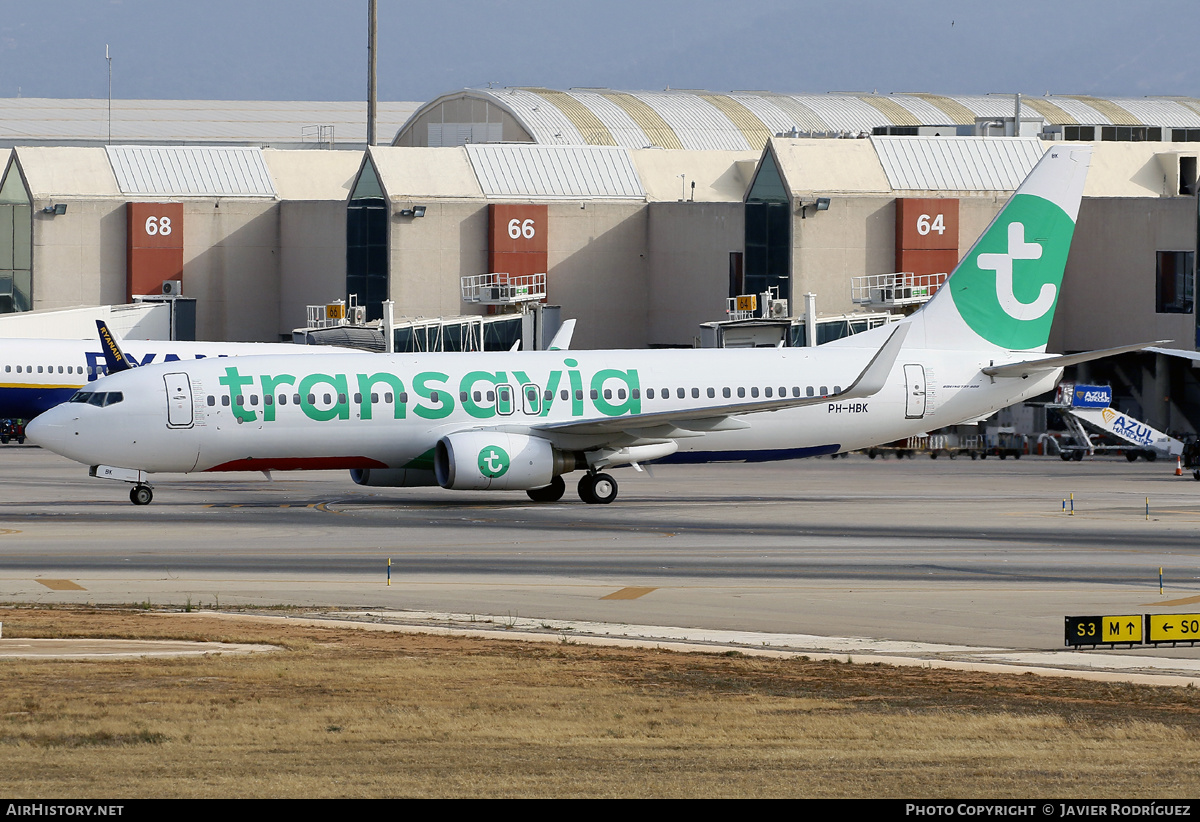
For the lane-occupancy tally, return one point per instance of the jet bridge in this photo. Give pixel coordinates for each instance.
(1087, 410)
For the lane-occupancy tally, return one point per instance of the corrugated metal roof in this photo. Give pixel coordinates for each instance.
(748, 123)
(541, 118)
(655, 131)
(191, 171)
(1051, 112)
(891, 109)
(1111, 110)
(522, 170)
(780, 112)
(1182, 113)
(844, 112)
(956, 163)
(697, 123)
(678, 118)
(589, 126)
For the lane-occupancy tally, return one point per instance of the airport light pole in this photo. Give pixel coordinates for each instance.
(109, 59)
(372, 35)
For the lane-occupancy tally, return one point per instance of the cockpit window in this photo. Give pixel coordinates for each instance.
(98, 398)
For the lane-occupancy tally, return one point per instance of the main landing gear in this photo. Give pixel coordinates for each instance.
(550, 493)
(141, 494)
(597, 489)
(594, 489)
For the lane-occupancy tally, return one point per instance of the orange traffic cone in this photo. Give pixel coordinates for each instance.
(1178, 467)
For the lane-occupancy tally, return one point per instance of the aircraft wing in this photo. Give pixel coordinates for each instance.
(686, 422)
(1029, 367)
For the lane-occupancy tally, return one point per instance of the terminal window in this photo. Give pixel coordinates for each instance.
(1174, 282)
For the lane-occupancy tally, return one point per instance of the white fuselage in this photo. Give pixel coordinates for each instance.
(38, 374)
(388, 411)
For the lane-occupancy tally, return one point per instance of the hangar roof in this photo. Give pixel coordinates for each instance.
(78, 172)
(957, 163)
(313, 175)
(965, 165)
(276, 123)
(425, 172)
(190, 171)
(554, 172)
(744, 120)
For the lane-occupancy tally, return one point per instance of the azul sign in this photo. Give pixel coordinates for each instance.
(1132, 430)
(1091, 396)
(435, 395)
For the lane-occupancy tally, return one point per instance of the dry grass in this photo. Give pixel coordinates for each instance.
(356, 713)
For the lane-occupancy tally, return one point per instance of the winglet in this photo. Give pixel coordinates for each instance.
(114, 358)
(874, 377)
(562, 337)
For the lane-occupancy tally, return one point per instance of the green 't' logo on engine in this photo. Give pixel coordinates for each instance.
(1007, 288)
(493, 462)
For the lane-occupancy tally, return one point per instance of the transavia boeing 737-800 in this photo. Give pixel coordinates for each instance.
(506, 421)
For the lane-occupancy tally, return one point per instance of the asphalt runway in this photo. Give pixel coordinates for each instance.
(965, 552)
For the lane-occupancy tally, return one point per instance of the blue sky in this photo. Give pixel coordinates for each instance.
(310, 50)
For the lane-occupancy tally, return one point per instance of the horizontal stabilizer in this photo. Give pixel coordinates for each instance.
(1029, 367)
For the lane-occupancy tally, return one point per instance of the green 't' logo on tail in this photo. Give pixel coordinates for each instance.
(1007, 287)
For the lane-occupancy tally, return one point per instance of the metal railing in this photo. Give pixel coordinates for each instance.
(501, 289)
(898, 289)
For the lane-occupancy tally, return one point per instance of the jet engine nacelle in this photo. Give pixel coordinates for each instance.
(496, 461)
(392, 477)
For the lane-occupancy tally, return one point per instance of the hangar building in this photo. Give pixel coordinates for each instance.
(644, 211)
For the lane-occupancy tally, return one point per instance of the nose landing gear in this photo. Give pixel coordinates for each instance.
(141, 494)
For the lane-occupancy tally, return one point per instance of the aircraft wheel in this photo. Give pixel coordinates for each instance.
(604, 489)
(550, 493)
(141, 495)
(586, 490)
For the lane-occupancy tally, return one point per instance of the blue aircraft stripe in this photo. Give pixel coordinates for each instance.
(766, 455)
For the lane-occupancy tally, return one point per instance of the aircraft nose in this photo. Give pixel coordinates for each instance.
(48, 429)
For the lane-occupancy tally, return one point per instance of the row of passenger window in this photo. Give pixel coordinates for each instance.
(282, 399)
(49, 369)
(754, 392)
